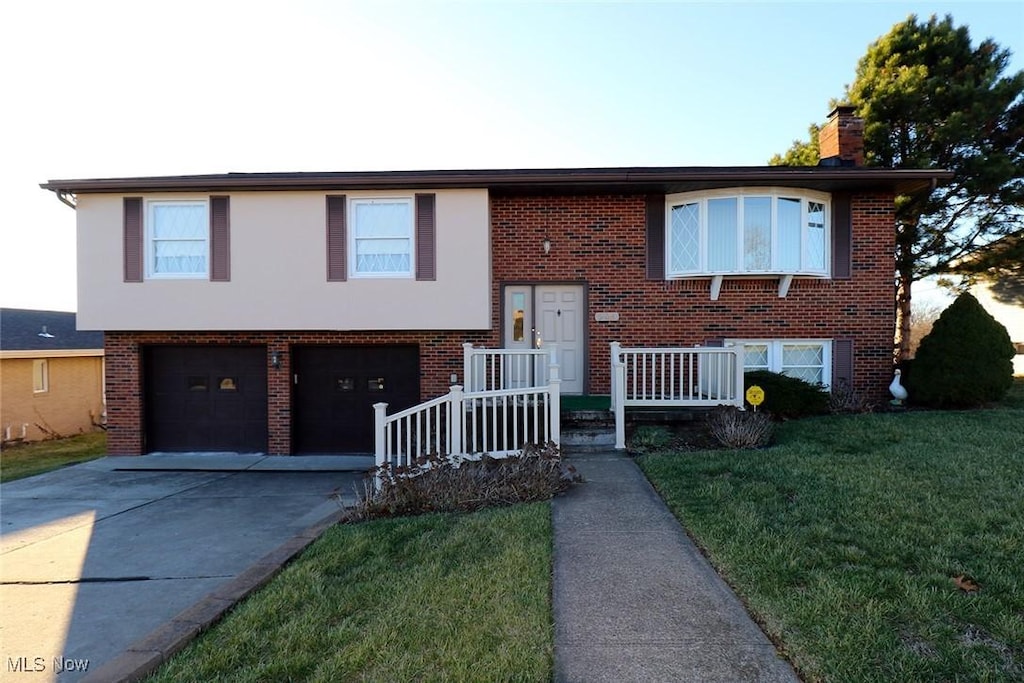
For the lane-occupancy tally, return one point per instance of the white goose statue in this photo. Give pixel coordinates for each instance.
(898, 391)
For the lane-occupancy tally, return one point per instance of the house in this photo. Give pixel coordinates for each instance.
(51, 376)
(268, 311)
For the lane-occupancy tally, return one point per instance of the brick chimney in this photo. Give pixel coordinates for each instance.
(841, 140)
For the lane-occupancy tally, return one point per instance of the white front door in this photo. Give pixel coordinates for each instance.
(536, 315)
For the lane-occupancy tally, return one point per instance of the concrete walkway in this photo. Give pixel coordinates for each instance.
(634, 599)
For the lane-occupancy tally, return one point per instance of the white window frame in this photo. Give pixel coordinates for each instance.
(775, 347)
(150, 241)
(353, 203)
(774, 193)
(40, 376)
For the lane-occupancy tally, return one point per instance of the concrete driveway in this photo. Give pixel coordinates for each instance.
(93, 558)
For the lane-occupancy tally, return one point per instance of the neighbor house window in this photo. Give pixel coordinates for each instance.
(809, 360)
(382, 237)
(747, 231)
(177, 239)
(40, 376)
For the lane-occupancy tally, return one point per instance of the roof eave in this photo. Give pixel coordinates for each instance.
(905, 181)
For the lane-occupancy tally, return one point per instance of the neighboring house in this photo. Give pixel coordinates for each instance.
(268, 311)
(51, 376)
(1003, 295)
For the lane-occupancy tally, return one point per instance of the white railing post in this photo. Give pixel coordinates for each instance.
(739, 361)
(467, 366)
(380, 411)
(553, 371)
(456, 413)
(619, 373)
(554, 397)
(616, 353)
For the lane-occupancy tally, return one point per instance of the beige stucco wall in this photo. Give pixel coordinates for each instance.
(278, 272)
(73, 401)
(1012, 318)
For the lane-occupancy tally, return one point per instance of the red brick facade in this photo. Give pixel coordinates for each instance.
(597, 241)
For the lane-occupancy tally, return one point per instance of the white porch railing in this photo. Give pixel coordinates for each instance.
(699, 376)
(467, 424)
(491, 369)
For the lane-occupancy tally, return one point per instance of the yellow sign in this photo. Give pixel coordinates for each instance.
(755, 395)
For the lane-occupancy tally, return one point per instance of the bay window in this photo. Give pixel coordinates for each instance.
(747, 231)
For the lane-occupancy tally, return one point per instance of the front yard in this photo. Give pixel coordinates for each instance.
(870, 548)
(847, 541)
(437, 597)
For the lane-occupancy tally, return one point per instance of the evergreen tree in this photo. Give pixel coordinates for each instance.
(930, 99)
(966, 360)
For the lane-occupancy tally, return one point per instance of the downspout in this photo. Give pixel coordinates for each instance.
(68, 198)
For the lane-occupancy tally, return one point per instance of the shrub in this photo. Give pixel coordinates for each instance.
(788, 396)
(443, 484)
(846, 399)
(965, 361)
(650, 438)
(735, 428)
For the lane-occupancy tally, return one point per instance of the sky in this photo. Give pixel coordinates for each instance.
(97, 88)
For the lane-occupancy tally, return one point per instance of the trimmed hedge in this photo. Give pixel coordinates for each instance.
(965, 361)
(786, 396)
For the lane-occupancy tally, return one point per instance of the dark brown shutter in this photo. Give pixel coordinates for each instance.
(841, 236)
(336, 248)
(426, 238)
(842, 361)
(220, 239)
(655, 218)
(133, 259)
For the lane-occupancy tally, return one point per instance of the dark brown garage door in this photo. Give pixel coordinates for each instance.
(206, 398)
(335, 388)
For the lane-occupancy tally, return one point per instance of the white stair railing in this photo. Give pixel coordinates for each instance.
(467, 424)
(486, 369)
(678, 377)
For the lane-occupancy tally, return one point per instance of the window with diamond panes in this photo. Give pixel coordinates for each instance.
(178, 239)
(809, 360)
(804, 361)
(684, 238)
(755, 230)
(382, 232)
(755, 357)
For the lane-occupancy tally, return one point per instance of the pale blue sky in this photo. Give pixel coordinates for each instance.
(112, 88)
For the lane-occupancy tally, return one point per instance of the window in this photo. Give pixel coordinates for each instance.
(40, 376)
(177, 239)
(747, 231)
(382, 237)
(809, 360)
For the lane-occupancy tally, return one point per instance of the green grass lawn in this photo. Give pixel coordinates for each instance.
(437, 597)
(28, 459)
(844, 540)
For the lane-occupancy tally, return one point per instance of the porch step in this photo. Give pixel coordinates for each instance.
(588, 439)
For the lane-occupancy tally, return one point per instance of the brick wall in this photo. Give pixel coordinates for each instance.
(599, 241)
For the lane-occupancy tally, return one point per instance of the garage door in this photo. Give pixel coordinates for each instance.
(206, 398)
(335, 388)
